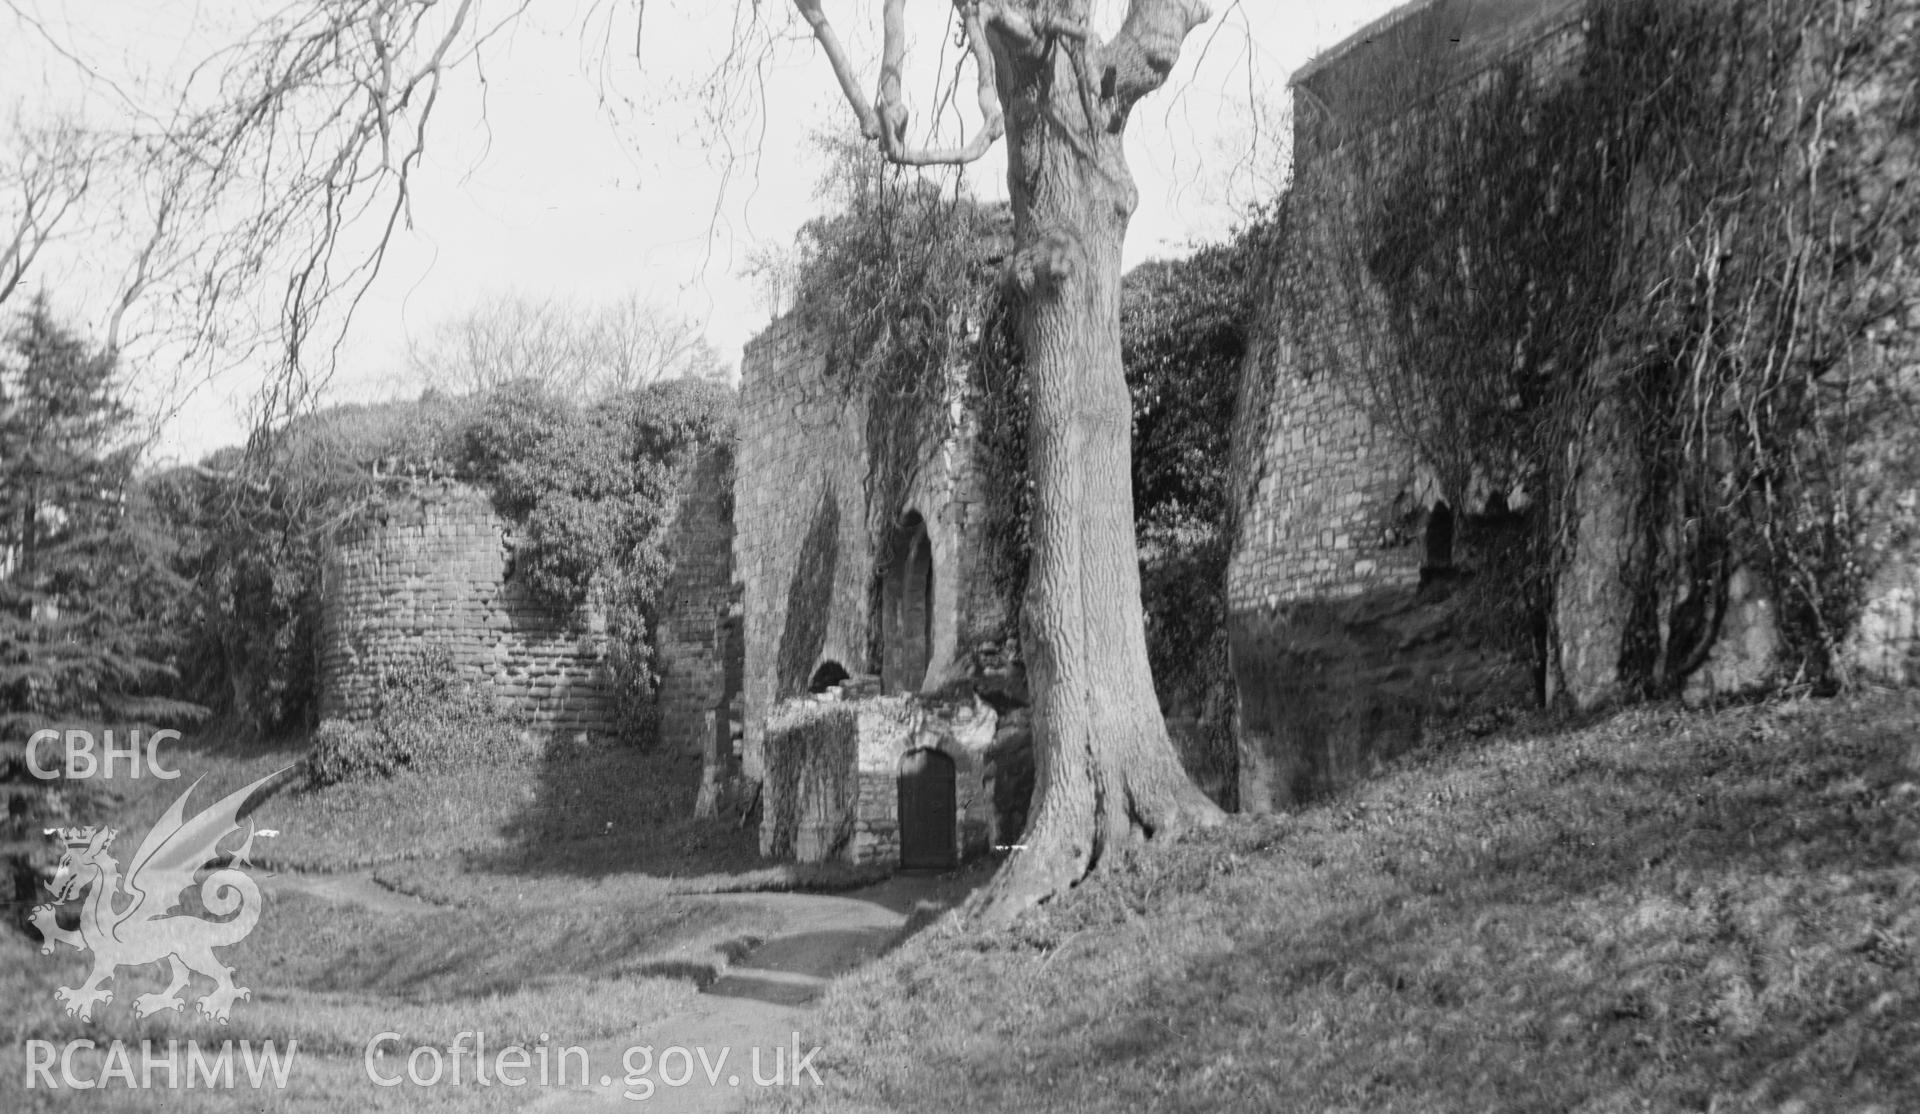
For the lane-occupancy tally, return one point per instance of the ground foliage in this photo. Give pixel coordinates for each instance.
(1698, 230)
(426, 718)
(1664, 910)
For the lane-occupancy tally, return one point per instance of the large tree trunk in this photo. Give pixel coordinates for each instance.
(1107, 773)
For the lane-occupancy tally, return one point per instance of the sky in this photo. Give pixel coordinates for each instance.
(567, 167)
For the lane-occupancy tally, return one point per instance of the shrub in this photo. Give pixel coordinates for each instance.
(343, 751)
(428, 719)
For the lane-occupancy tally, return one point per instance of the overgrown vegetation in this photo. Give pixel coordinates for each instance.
(92, 607)
(899, 286)
(894, 285)
(1675, 259)
(812, 771)
(902, 287)
(1665, 911)
(1184, 328)
(588, 489)
(428, 719)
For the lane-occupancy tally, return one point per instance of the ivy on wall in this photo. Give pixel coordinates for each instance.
(812, 758)
(589, 490)
(1674, 253)
(902, 289)
(893, 285)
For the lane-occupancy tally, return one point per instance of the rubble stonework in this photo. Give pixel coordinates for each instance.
(1345, 632)
(827, 581)
(1343, 623)
(426, 567)
(853, 815)
(802, 450)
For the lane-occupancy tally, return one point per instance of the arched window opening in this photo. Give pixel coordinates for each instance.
(906, 602)
(828, 675)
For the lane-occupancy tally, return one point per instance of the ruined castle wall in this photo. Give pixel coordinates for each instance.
(800, 476)
(426, 567)
(1878, 116)
(1344, 646)
(690, 640)
(1340, 655)
(811, 553)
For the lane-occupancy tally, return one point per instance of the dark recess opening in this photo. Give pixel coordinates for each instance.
(828, 675)
(1439, 541)
(906, 607)
(926, 810)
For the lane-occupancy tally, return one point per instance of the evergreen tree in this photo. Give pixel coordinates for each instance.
(86, 588)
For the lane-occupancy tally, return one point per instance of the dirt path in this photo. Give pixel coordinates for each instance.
(702, 1060)
(353, 888)
(763, 1003)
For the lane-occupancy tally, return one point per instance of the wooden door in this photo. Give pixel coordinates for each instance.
(926, 810)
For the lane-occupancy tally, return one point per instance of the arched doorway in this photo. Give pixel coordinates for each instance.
(926, 810)
(906, 607)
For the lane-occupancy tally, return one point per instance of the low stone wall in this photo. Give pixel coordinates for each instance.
(833, 776)
(427, 567)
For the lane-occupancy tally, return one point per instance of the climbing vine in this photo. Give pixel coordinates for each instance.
(899, 288)
(1665, 264)
(812, 767)
(892, 286)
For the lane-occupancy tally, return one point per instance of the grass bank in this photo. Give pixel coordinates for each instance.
(558, 895)
(1664, 911)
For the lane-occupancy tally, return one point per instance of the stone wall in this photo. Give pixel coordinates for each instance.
(426, 566)
(1349, 630)
(690, 641)
(813, 557)
(1346, 622)
(801, 470)
(851, 812)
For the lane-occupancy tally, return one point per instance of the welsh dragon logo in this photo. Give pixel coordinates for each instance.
(125, 921)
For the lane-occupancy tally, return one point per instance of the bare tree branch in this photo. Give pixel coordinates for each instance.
(53, 172)
(885, 119)
(842, 65)
(575, 348)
